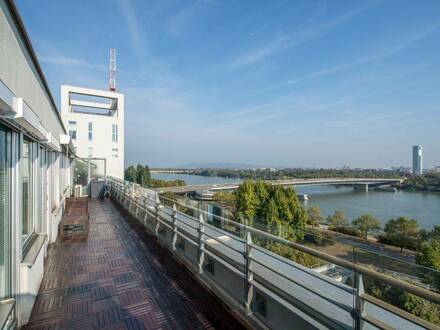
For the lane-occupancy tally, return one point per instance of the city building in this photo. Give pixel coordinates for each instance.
(35, 158)
(95, 121)
(417, 161)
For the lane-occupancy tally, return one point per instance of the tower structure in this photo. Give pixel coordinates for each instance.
(112, 71)
(417, 159)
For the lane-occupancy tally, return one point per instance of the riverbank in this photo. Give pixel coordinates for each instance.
(383, 205)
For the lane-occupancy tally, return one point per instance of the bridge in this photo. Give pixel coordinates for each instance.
(357, 183)
(170, 171)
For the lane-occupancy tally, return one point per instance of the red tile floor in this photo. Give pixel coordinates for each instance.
(120, 278)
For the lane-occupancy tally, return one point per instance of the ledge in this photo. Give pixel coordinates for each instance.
(33, 251)
(6, 308)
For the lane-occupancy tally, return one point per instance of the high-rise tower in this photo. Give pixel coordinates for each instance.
(417, 160)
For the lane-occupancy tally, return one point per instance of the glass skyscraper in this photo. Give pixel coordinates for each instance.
(417, 160)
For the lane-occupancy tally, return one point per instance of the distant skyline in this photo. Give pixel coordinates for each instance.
(310, 83)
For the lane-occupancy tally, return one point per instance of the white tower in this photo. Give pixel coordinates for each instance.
(112, 71)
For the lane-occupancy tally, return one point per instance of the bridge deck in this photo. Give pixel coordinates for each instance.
(291, 182)
(120, 279)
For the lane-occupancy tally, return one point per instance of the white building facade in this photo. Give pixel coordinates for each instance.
(35, 158)
(95, 121)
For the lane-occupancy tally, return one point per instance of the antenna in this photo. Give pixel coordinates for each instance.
(112, 71)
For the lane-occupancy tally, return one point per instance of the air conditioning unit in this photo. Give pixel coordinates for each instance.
(77, 191)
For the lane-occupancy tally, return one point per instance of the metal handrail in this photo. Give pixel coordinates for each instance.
(356, 268)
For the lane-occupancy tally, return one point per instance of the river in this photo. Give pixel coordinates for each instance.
(423, 207)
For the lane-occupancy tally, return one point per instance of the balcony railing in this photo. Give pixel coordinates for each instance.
(260, 286)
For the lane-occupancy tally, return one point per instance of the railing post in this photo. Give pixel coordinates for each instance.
(249, 273)
(157, 206)
(174, 218)
(201, 231)
(137, 207)
(145, 205)
(359, 304)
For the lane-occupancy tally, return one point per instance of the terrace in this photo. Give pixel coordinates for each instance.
(120, 278)
(150, 262)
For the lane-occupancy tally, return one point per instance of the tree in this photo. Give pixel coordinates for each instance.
(261, 190)
(365, 224)
(314, 215)
(429, 256)
(130, 173)
(421, 308)
(143, 176)
(246, 201)
(402, 232)
(337, 220)
(276, 209)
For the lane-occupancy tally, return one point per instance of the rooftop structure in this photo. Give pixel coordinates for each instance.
(95, 120)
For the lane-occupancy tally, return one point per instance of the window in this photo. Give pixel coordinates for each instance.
(5, 221)
(90, 152)
(115, 133)
(90, 131)
(27, 225)
(72, 130)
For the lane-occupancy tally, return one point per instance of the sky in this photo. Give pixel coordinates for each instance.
(313, 83)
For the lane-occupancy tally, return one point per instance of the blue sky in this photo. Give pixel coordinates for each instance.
(271, 83)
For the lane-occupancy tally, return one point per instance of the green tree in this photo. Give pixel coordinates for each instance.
(143, 176)
(421, 308)
(261, 190)
(130, 173)
(246, 201)
(314, 216)
(366, 224)
(275, 208)
(402, 232)
(297, 223)
(429, 256)
(337, 219)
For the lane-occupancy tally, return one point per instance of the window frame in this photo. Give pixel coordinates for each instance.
(72, 132)
(29, 238)
(90, 131)
(8, 239)
(115, 133)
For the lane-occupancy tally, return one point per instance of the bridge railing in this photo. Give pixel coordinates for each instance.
(242, 265)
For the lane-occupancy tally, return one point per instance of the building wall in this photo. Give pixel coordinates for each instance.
(22, 259)
(102, 144)
(20, 75)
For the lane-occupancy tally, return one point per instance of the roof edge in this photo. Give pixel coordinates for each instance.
(21, 28)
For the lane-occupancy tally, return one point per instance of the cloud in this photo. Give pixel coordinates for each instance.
(135, 34)
(69, 61)
(289, 40)
(179, 24)
(387, 53)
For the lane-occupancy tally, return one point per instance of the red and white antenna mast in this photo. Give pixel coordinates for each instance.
(112, 78)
